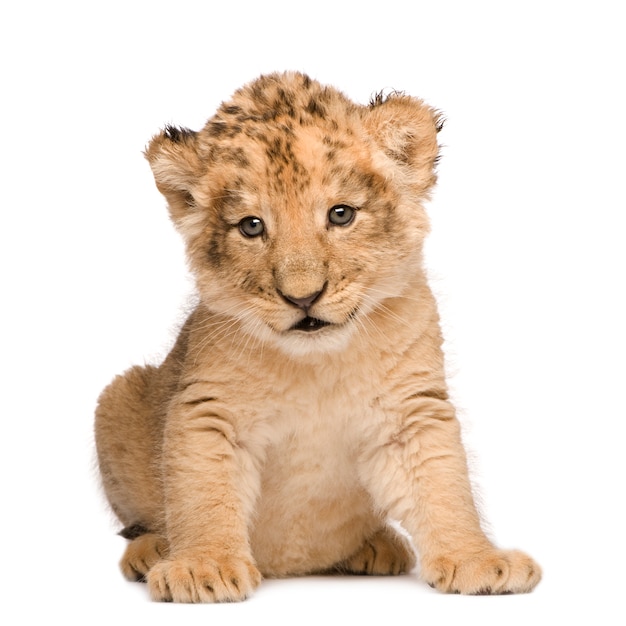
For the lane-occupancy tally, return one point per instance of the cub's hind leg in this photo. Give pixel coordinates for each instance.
(144, 550)
(386, 552)
(128, 431)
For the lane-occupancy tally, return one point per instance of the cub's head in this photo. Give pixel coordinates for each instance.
(301, 211)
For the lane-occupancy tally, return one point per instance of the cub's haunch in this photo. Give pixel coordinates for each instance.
(304, 404)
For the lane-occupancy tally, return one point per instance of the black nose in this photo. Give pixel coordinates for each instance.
(303, 303)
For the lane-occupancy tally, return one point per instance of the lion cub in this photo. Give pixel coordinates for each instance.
(304, 403)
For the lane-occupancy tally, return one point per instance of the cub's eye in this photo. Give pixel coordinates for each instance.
(251, 226)
(341, 215)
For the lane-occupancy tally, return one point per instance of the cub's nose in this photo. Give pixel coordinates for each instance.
(305, 302)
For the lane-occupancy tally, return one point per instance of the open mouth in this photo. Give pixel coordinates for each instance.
(310, 324)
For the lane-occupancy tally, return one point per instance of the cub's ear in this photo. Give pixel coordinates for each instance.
(176, 166)
(405, 128)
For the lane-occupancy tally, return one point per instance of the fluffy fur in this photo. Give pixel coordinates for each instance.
(304, 404)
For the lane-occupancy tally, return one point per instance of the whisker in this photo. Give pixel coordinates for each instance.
(392, 295)
(366, 321)
(387, 312)
(224, 328)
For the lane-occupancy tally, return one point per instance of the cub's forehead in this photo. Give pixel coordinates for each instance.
(279, 107)
(289, 97)
(288, 131)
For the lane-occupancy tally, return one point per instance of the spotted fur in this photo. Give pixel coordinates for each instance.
(304, 404)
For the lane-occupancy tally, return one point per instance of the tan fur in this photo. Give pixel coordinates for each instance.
(258, 448)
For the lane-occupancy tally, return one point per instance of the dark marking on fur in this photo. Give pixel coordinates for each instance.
(334, 143)
(199, 401)
(392, 224)
(370, 181)
(216, 129)
(284, 104)
(215, 251)
(248, 282)
(259, 94)
(381, 97)
(232, 109)
(239, 158)
(233, 130)
(376, 100)
(316, 109)
(280, 151)
(178, 134)
(226, 154)
(274, 151)
(437, 394)
(481, 592)
(188, 199)
(326, 96)
(133, 531)
(374, 556)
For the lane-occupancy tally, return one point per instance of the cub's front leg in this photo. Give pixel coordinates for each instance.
(208, 482)
(418, 473)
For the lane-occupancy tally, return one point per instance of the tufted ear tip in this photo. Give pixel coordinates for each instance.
(179, 134)
(406, 129)
(173, 142)
(176, 166)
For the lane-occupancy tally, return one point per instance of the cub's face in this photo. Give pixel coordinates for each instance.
(301, 211)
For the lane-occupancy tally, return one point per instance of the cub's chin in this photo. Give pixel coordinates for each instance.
(312, 336)
(308, 336)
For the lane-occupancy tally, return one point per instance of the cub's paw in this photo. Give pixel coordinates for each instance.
(203, 579)
(488, 572)
(141, 554)
(385, 553)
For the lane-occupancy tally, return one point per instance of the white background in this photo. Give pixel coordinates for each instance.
(526, 254)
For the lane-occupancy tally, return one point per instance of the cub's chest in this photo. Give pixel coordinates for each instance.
(312, 456)
(298, 413)
(315, 406)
